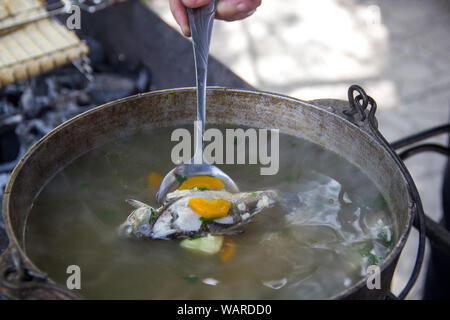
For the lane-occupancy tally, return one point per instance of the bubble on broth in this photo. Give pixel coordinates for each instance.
(315, 246)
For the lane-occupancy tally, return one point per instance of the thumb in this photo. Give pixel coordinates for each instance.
(195, 3)
(230, 10)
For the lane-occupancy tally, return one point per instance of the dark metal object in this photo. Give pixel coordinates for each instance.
(18, 281)
(358, 104)
(438, 235)
(437, 282)
(429, 147)
(325, 122)
(420, 136)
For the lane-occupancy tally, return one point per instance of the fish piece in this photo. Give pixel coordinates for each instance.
(175, 219)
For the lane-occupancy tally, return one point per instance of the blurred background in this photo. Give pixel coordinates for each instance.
(397, 50)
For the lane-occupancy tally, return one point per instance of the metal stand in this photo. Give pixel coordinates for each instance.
(437, 234)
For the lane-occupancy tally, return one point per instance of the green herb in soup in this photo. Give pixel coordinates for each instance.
(329, 225)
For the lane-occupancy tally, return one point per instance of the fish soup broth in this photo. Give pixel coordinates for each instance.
(315, 246)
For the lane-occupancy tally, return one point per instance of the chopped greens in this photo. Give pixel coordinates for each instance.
(253, 194)
(286, 231)
(108, 212)
(191, 278)
(199, 188)
(180, 178)
(373, 259)
(377, 202)
(206, 220)
(385, 238)
(153, 215)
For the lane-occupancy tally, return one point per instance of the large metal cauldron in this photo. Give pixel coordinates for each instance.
(347, 128)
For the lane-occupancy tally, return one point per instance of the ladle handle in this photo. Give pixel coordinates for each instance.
(201, 23)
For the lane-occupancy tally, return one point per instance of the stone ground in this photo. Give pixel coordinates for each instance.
(397, 50)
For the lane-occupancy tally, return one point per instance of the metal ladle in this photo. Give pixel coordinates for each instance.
(201, 22)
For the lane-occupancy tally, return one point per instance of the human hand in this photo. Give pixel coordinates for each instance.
(228, 10)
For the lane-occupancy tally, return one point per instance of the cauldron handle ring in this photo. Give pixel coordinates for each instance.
(359, 104)
(420, 225)
(20, 282)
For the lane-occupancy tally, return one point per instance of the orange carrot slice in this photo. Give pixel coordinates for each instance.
(228, 250)
(210, 208)
(154, 180)
(202, 182)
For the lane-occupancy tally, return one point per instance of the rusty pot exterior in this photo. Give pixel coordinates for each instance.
(323, 122)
